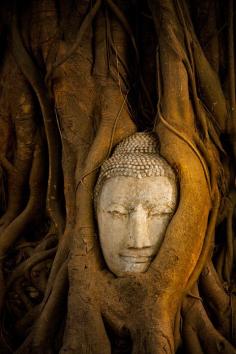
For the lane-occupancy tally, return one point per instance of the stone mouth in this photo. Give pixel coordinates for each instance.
(136, 258)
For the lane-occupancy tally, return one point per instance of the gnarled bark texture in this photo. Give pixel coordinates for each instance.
(77, 77)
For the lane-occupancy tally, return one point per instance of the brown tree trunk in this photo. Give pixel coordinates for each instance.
(76, 78)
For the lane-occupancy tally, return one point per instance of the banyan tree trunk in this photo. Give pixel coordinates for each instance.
(76, 78)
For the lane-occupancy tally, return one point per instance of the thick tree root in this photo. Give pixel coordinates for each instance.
(217, 300)
(30, 213)
(27, 265)
(34, 205)
(49, 319)
(199, 334)
(29, 69)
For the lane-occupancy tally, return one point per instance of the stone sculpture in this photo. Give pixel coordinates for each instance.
(135, 198)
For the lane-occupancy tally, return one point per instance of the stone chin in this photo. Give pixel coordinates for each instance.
(138, 265)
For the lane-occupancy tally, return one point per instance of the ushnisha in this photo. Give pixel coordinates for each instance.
(136, 156)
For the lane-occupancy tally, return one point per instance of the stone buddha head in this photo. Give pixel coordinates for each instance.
(135, 199)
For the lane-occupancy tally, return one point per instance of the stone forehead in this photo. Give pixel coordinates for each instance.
(136, 156)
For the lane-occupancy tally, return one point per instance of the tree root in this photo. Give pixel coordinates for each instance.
(26, 266)
(34, 205)
(84, 26)
(23, 325)
(199, 334)
(49, 241)
(217, 300)
(14, 230)
(31, 73)
(17, 160)
(22, 298)
(208, 81)
(38, 340)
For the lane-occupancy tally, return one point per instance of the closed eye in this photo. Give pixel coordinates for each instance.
(117, 213)
(153, 213)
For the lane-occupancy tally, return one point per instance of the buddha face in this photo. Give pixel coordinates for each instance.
(133, 215)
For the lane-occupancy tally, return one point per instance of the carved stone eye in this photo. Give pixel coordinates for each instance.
(118, 213)
(156, 213)
(152, 213)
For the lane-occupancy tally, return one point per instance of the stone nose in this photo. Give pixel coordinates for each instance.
(138, 229)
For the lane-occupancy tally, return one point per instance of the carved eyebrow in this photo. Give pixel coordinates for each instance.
(168, 207)
(112, 203)
(113, 206)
